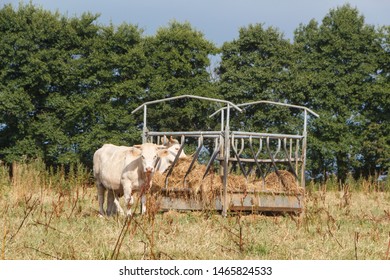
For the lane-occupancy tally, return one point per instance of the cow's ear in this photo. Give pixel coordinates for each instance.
(138, 146)
(173, 141)
(135, 152)
(163, 153)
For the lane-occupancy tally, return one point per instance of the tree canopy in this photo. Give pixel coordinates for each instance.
(68, 85)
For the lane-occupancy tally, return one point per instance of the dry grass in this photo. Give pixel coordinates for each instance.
(50, 216)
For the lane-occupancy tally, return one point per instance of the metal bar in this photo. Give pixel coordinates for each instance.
(144, 128)
(237, 134)
(243, 134)
(297, 156)
(175, 160)
(228, 103)
(226, 162)
(222, 120)
(304, 143)
(239, 161)
(289, 158)
(271, 102)
(194, 158)
(264, 160)
(214, 155)
(255, 158)
(272, 157)
(238, 201)
(186, 133)
(242, 146)
(280, 104)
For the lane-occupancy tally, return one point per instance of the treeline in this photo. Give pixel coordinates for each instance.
(68, 85)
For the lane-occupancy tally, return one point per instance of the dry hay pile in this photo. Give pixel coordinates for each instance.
(193, 181)
(285, 183)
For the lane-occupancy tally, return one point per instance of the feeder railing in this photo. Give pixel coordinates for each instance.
(263, 151)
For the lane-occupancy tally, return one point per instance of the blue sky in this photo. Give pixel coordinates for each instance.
(218, 20)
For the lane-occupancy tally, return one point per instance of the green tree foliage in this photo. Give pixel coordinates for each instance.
(256, 67)
(337, 76)
(178, 59)
(66, 84)
(30, 69)
(375, 133)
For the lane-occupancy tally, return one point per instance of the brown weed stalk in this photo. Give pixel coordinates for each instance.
(27, 212)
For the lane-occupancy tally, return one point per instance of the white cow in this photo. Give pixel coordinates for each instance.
(108, 164)
(138, 172)
(110, 161)
(173, 148)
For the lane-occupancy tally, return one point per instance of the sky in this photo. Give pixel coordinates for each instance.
(218, 20)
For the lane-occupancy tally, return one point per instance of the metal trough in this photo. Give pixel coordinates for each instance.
(247, 152)
(253, 202)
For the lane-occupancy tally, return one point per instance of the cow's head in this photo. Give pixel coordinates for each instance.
(173, 146)
(149, 154)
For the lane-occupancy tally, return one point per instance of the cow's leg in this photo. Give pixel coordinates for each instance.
(118, 206)
(101, 192)
(143, 204)
(127, 189)
(111, 208)
(113, 201)
(143, 198)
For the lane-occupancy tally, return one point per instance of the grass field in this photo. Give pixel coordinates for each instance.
(44, 215)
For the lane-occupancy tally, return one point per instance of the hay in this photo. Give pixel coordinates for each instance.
(175, 180)
(285, 182)
(212, 183)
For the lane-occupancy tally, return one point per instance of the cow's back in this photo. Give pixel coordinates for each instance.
(108, 164)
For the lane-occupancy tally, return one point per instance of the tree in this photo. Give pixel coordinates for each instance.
(336, 73)
(111, 65)
(30, 72)
(67, 85)
(256, 66)
(375, 133)
(178, 58)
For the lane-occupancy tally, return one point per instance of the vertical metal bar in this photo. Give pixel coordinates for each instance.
(255, 157)
(226, 162)
(222, 119)
(175, 160)
(238, 158)
(212, 158)
(194, 158)
(144, 129)
(296, 155)
(222, 143)
(288, 155)
(304, 143)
